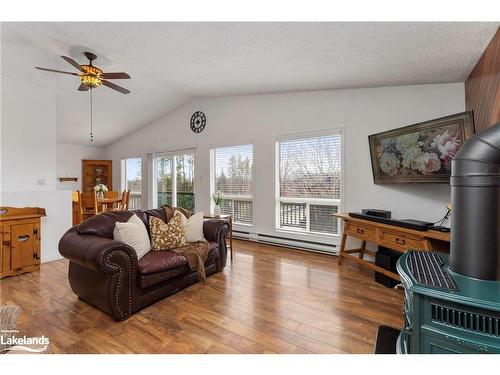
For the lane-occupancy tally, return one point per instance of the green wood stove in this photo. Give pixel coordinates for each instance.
(446, 312)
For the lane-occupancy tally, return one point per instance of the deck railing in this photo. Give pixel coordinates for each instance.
(184, 199)
(134, 202)
(309, 215)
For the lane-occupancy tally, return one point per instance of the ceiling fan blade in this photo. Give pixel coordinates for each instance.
(56, 71)
(83, 87)
(115, 87)
(72, 62)
(120, 75)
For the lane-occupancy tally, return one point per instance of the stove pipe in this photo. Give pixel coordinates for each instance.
(475, 199)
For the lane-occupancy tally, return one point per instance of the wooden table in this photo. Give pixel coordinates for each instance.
(391, 236)
(229, 219)
(103, 202)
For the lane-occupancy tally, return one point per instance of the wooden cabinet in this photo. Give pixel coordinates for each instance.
(97, 172)
(20, 237)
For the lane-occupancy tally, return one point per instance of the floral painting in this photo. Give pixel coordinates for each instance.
(421, 152)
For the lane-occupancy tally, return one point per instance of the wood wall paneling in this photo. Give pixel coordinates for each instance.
(482, 88)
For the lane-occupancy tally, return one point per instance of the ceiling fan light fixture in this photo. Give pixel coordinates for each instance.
(91, 76)
(90, 80)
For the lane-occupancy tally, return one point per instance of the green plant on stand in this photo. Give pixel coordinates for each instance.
(217, 197)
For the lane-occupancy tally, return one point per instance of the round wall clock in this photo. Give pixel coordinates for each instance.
(198, 121)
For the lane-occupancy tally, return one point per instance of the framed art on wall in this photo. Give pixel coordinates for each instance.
(419, 153)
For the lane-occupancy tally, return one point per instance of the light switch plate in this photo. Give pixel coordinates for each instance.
(42, 181)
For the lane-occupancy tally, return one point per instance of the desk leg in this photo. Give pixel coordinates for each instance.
(362, 250)
(342, 248)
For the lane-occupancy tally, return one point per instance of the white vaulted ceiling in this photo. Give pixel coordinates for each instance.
(172, 63)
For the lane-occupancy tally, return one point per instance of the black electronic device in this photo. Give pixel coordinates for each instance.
(405, 223)
(386, 258)
(376, 212)
(440, 228)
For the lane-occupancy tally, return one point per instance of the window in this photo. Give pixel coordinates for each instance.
(309, 172)
(232, 176)
(132, 181)
(174, 179)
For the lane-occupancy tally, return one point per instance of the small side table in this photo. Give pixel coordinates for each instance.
(229, 219)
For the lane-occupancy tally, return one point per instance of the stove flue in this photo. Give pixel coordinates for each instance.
(475, 198)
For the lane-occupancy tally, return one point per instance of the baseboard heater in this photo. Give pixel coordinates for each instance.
(317, 247)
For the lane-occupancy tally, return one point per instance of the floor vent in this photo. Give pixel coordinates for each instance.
(478, 323)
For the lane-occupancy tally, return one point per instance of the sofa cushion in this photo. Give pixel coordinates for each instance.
(134, 234)
(166, 236)
(103, 225)
(158, 266)
(170, 211)
(151, 279)
(193, 227)
(157, 212)
(158, 261)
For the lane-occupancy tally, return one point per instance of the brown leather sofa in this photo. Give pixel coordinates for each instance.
(106, 273)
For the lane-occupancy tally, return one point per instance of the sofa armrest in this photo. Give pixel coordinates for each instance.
(96, 252)
(102, 272)
(216, 230)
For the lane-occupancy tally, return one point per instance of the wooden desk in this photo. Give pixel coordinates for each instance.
(229, 220)
(391, 236)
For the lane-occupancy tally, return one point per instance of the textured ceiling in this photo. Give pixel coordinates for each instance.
(171, 63)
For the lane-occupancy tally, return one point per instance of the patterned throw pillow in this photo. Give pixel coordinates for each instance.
(166, 236)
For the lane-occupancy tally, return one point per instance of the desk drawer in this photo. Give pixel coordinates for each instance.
(400, 241)
(360, 231)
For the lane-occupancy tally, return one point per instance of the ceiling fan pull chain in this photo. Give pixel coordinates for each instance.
(91, 125)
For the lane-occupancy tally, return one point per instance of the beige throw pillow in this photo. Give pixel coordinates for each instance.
(165, 236)
(134, 234)
(193, 227)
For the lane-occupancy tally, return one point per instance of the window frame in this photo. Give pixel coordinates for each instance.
(308, 201)
(172, 155)
(123, 175)
(233, 197)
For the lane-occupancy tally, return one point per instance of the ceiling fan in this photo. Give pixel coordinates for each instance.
(91, 76)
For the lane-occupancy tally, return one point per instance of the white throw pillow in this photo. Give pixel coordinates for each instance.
(193, 227)
(134, 234)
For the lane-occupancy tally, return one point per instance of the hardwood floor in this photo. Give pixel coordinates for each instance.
(269, 300)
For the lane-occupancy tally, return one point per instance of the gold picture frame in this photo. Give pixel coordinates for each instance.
(419, 153)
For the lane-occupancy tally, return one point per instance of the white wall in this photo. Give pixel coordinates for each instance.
(28, 137)
(57, 206)
(69, 163)
(262, 118)
(28, 154)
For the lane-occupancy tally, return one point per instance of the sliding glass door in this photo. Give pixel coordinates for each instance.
(132, 181)
(173, 182)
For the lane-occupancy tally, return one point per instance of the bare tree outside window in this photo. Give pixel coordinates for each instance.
(233, 178)
(310, 168)
(310, 172)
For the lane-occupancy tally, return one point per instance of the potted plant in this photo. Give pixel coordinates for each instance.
(217, 197)
(100, 189)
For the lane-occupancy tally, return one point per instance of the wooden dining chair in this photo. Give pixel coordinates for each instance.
(123, 205)
(88, 204)
(113, 194)
(125, 199)
(75, 205)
